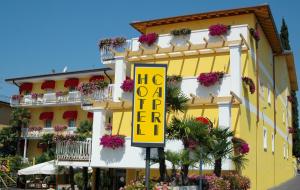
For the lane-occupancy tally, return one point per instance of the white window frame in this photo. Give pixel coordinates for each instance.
(284, 151)
(265, 138)
(273, 143)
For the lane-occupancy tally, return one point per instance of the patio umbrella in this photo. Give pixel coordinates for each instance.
(47, 168)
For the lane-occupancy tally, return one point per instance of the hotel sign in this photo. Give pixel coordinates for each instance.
(148, 110)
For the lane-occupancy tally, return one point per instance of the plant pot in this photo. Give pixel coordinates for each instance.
(180, 40)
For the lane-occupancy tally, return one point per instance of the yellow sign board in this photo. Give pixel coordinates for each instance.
(148, 110)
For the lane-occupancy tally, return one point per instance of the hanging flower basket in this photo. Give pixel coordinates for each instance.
(112, 141)
(248, 81)
(218, 29)
(240, 146)
(127, 85)
(291, 130)
(209, 79)
(174, 79)
(290, 99)
(255, 34)
(148, 39)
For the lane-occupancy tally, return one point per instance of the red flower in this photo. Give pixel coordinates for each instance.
(203, 120)
(209, 79)
(244, 149)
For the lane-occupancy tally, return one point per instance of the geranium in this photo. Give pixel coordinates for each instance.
(203, 120)
(127, 85)
(58, 94)
(112, 141)
(209, 79)
(248, 81)
(217, 183)
(91, 87)
(148, 39)
(59, 128)
(244, 149)
(237, 181)
(218, 29)
(290, 99)
(112, 42)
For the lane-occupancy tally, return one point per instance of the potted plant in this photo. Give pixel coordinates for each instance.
(115, 43)
(180, 36)
(147, 40)
(218, 29)
(127, 85)
(174, 80)
(210, 79)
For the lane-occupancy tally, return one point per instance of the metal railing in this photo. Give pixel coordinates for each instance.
(74, 150)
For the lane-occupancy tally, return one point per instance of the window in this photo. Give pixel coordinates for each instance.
(72, 123)
(273, 143)
(265, 145)
(48, 123)
(269, 95)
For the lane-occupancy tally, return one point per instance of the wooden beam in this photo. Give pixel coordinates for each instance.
(244, 41)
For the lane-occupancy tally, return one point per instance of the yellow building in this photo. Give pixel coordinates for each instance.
(261, 116)
(5, 111)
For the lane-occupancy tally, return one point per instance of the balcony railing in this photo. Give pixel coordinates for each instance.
(99, 95)
(198, 42)
(74, 150)
(46, 99)
(39, 134)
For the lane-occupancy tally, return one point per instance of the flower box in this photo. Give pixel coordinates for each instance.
(193, 187)
(112, 141)
(148, 39)
(218, 29)
(210, 79)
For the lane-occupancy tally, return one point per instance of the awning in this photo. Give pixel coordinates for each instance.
(46, 116)
(90, 115)
(27, 86)
(48, 84)
(96, 77)
(71, 82)
(70, 115)
(47, 168)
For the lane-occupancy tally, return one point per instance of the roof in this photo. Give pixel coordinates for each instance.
(262, 13)
(63, 75)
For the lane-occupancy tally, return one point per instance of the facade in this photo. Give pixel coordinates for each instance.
(53, 100)
(261, 118)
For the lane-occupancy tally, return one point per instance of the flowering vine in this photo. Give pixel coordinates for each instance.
(248, 81)
(209, 79)
(148, 39)
(218, 29)
(112, 141)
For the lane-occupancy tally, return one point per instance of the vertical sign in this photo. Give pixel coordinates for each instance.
(148, 110)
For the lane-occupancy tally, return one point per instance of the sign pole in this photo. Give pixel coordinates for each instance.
(147, 168)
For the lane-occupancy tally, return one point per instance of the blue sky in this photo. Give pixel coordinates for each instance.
(38, 36)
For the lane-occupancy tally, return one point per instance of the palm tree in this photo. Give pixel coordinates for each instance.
(175, 102)
(84, 131)
(221, 147)
(189, 131)
(20, 118)
(174, 158)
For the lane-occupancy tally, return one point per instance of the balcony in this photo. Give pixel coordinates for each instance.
(47, 99)
(198, 42)
(74, 150)
(38, 134)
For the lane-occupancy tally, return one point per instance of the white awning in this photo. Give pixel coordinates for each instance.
(47, 168)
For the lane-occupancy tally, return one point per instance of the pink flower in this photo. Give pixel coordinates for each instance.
(244, 149)
(148, 39)
(209, 79)
(218, 29)
(127, 85)
(112, 141)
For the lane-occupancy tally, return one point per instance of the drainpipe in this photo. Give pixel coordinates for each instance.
(274, 103)
(110, 80)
